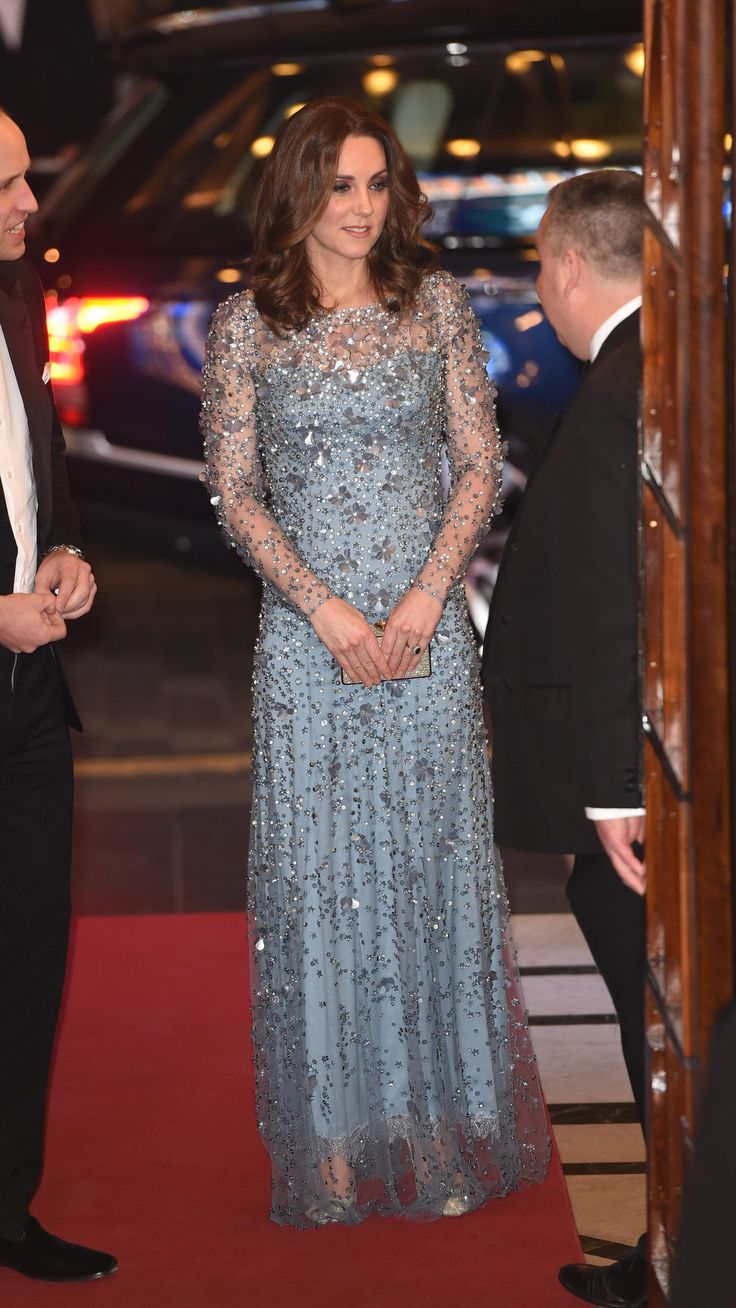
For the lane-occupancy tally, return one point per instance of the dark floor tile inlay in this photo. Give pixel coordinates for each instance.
(573, 1019)
(592, 1114)
(604, 1169)
(605, 1248)
(571, 969)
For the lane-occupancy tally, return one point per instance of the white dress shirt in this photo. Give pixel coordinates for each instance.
(16, 472)
(604, 331)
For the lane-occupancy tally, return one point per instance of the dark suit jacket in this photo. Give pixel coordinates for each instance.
(23, 321)
(560, 662)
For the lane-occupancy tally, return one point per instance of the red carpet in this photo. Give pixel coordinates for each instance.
(153, 1154)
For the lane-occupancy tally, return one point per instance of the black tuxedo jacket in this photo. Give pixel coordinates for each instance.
(23, 321)
(561, 659)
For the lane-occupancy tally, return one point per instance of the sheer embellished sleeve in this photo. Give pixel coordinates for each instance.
(233, 470)
(473, 444)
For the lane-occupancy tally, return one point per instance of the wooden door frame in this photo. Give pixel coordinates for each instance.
(688, 570)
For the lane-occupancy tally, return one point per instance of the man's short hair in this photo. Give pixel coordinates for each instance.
(601, 215)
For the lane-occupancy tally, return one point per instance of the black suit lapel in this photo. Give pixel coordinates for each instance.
(629, 329)
(16, 326)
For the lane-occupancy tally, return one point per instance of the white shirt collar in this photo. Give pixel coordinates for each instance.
(605, 329)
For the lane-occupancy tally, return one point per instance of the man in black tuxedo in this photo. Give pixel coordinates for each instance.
(44, 584)
(561, 649)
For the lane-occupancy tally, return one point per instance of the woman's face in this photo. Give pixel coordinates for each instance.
(356, 210)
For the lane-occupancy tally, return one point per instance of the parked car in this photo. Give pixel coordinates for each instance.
(147, 230)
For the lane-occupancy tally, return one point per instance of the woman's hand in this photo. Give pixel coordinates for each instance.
(351, 640)
(410, 627)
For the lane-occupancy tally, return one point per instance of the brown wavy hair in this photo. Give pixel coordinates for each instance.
(292, 195)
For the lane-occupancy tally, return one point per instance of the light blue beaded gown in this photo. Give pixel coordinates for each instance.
(394, 1071)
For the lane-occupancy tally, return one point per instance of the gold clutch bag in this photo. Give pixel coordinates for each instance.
(423, 668)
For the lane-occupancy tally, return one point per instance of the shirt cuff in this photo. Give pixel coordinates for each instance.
(600, 814)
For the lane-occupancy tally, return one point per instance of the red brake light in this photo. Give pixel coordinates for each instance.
(91, 314)
(67, 324)
(66, 346)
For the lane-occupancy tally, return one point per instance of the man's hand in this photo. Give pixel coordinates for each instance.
(29, 621)
(617, 836)
(71, 580)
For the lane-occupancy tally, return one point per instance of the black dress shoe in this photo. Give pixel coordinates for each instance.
(620, 1285)
(45, 1257)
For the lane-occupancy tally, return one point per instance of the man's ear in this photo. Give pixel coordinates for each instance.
(572, 271)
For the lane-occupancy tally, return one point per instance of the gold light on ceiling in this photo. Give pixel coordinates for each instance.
(229, 275)
(635, 58)
(520, 61)
(561, 149)
(463, 147)
(287, 70)
(379, 81)
(262, 146)
(52, 255)
(728, 142)
(590, 150)
(293, 109)
(381, 61)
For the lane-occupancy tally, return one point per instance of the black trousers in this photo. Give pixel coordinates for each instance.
(613, 920)
(36, 785)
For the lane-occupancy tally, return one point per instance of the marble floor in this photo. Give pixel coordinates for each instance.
(576, 1039)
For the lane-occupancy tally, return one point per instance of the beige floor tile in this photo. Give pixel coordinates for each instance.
(581, 1064)
(563, 995)
(609, 1207)
(618, 1143)
(548, 940)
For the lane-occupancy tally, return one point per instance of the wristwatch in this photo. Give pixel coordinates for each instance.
(68, 549)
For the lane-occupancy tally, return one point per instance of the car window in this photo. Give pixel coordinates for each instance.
(487, 131)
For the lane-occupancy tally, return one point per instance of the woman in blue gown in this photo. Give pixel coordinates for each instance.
(394, 1070)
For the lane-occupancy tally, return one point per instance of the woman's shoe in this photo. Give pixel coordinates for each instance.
(328, 1209)
(457, 1203)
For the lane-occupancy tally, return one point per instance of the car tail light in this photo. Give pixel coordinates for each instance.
(68, 323)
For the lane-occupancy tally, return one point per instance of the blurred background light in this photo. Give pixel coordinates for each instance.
(287, 70)
(634, 59)
(526, 321)
(262, 146)
(590, 150)
(520, 61)
(463, 147)
(379, 81)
